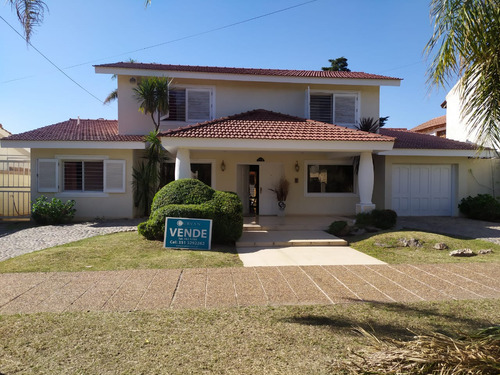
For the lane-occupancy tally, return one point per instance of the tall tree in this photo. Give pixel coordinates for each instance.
(337, 65)
(466, 46)
(152, 95)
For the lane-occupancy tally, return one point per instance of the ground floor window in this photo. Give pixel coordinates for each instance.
(330, 178)
(200, 171)
(83, 176)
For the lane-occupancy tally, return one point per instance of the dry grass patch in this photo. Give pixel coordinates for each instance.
(386, 247)
(257, 340)
(119, 251)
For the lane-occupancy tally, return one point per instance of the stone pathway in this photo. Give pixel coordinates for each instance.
(14, 243)
(235, 287)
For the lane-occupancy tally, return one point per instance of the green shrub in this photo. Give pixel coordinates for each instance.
(480, 207)
(228, 217)
(183, 191)
(45, 212)
(338, 228)
(154, 228)
(193, 199)
(383, 219)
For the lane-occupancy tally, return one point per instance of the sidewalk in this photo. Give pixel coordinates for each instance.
(235, 287)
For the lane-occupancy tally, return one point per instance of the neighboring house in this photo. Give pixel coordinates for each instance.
(15, 178)
(436, 126)
(242, 130)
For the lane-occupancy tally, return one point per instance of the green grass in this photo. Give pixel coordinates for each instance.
(119, 251)
(257, 340)
(393, 253)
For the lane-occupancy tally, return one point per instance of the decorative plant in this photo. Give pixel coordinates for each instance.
(281, 189)
(54, 211)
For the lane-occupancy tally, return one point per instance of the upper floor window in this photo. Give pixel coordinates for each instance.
(190, 105)
(334, 108)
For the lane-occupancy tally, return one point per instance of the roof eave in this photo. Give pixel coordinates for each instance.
(247, 77)
(124, 145)
(439, 152)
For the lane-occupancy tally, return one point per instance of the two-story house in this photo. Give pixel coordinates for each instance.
(242, 130)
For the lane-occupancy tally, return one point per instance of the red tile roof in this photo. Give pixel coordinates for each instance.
(411, 140)
(77, 130)
(435, 123)
(263, 124)
(248, 71)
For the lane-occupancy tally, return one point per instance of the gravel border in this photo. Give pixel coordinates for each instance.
(27, 240)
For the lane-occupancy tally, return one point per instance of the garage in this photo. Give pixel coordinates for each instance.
(422, 189)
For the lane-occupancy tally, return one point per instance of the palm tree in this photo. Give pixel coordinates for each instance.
(152, 95)
(466, 43)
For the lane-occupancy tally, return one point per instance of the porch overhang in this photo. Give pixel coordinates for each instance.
(172, 144)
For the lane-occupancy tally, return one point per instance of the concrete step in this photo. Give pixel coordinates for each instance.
(284, 238)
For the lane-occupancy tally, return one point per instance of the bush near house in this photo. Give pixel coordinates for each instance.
(383, 219)
(45, 212)
(192, 198)
(480, 207)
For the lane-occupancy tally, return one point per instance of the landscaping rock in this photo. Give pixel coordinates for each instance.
(412, 242)
(359, 232)
(440, 246)
(370, 229)
(462, 253)
(485, 251)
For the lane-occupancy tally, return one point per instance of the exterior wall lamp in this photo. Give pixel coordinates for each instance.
(222, 166)
(297, 166)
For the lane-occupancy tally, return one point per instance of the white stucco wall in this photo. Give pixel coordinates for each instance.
(102, 205)
(232, 97)
(298, 202)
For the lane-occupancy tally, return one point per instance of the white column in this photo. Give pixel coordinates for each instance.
(365, 183)
(182, 164)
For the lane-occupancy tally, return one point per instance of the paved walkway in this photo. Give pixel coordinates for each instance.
(235, 287)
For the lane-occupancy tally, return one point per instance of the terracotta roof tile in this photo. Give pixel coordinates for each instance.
(411, 140)
(77, 130)
(248, 71)
(263, 124)
(435, 123)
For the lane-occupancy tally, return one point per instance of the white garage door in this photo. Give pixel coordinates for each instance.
(422, 190)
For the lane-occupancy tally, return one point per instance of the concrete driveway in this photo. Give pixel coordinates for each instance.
(455, 226)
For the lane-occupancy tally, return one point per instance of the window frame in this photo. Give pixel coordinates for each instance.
(334, 94)
(308, 163)
(211, 162)
(164, 120)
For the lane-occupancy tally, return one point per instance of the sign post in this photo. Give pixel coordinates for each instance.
(186, 233)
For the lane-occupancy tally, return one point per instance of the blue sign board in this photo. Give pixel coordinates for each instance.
(184, 233)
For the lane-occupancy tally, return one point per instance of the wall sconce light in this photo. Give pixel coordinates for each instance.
(132, 80)
(222, 166)
(260, 159)
(297, 166)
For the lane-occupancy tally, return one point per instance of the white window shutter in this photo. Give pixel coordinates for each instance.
(198, 105)
(307, 110)
(114, 176)
(345, 109)
(48, 175)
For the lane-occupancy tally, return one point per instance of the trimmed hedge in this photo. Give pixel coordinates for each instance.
(183, 191)
(338, 228)
(481, 207)
(55, 211)
(224, 208)
(154, 228)
(383, 219)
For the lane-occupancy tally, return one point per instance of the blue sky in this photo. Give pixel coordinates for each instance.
(377, 36)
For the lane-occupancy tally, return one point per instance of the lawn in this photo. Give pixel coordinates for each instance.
(386, 247)
(119, 251)
(255, 340)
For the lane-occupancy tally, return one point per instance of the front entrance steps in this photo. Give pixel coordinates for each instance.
(287, 238)
(291, 222)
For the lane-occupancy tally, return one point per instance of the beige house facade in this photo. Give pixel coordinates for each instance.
(243, 130)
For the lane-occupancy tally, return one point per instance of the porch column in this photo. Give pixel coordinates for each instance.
(365, 183)
(182, 164)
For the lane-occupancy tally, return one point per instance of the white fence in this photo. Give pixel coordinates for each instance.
(15, 184)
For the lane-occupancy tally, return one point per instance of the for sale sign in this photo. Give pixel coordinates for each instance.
(185, 233)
